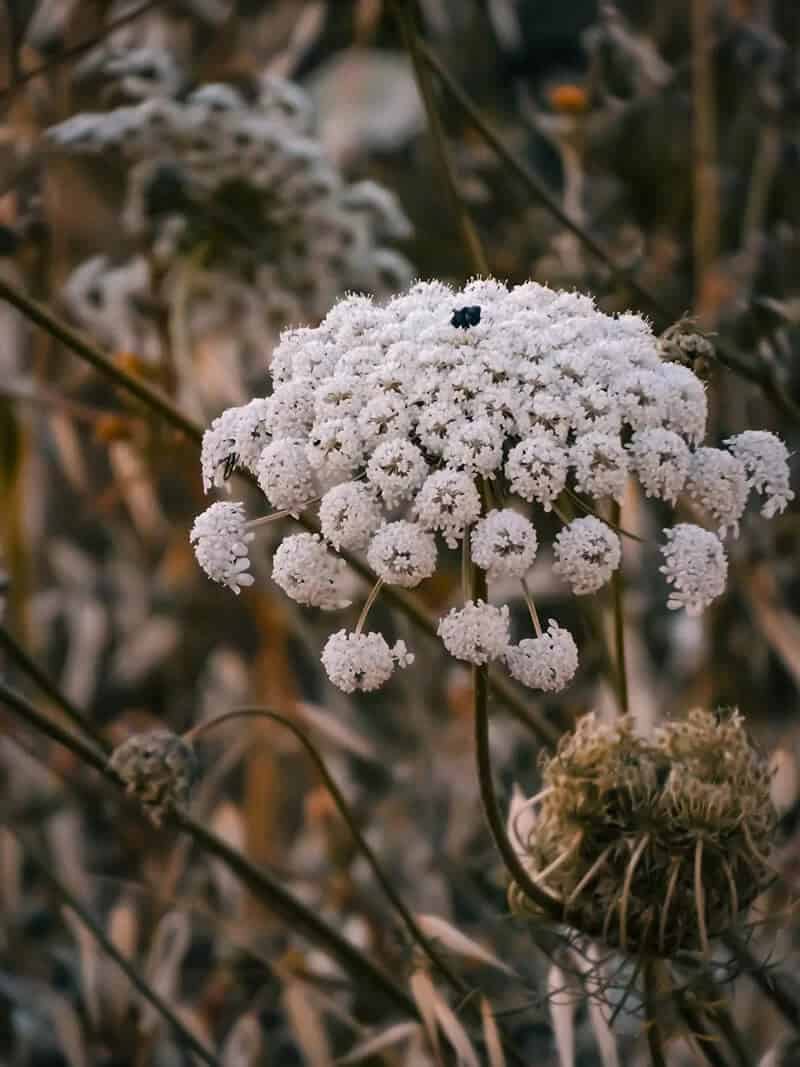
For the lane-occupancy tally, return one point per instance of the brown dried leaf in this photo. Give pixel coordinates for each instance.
(306, 1024)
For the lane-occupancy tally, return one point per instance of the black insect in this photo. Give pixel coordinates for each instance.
(466, 317)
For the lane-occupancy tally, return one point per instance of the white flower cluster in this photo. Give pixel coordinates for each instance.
(246, 180)
(444, 414)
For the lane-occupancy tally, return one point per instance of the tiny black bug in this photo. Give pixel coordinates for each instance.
(466, 317)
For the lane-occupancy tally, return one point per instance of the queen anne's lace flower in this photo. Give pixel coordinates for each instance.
(601, 466)
(448, 503)
(308, 573)
(284, 474)
(220, 538)
(718, 483)
(537, 468)
(695, 566)
(504, 544)
(477, 633)
(766, 461)
(362, 661)
(402, 414)
(402, 553)
(661, 459)
(548, 662)
(348, 515)
(587, 553)
(396, 468)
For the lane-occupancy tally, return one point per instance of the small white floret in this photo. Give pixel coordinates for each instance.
(308, 572)
(537, 467)
(718, 483)
(766, 461)
(349, 514)
(284, 474)
(402, 553)
(477, 633)
(504, 544)
(587, 552)
(448, 503)
(362, 661)
(695, 566)
(548, 662)
(220, 538)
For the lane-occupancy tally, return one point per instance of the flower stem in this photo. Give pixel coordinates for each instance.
(655, 1039)
(373, 596)
(480, 693)
(696, 1028)
(346, 813)
(531, 608)
(618, 595)
(404, 10)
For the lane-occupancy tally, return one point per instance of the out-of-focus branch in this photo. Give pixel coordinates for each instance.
(77, 49)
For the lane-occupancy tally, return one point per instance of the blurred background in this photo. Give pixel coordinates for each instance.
(650, 156)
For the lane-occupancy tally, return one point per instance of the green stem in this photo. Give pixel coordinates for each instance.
(404, 10)
(37, 675)
(346, 813)
(164, 1010)
(618, 596)
(480, 694)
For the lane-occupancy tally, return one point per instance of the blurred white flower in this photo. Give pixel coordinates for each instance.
(717, 481)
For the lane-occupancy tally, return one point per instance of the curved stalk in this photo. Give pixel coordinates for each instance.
(655, 1040)
(344, 809)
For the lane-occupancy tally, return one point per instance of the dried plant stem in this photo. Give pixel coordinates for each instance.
(705, 221)
(770, 984)
(559, 861)
(346, 812)
(626, 891)
(732, 889)
(697, 1030)
(184, 1035)
(700, 898)
(17, 653)
(655, 1040)
(665, 909)
(590, 875)
(720, 1014)
(39, 721)
(405, 13)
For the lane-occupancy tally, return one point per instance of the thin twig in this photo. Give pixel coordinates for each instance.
(182, 1032)
(694, 1024)
(769, 984)
(78, 49)
(93, 355)
(17, 653)
(404, 10)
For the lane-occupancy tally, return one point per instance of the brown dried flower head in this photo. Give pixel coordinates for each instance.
(158, 768)
(652, 846)
(684, 342)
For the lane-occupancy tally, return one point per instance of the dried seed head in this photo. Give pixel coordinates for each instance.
(158, 768)
(653, 846)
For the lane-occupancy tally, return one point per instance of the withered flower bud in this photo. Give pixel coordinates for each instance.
(652, 846)
(158, 768)
(683, 342)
